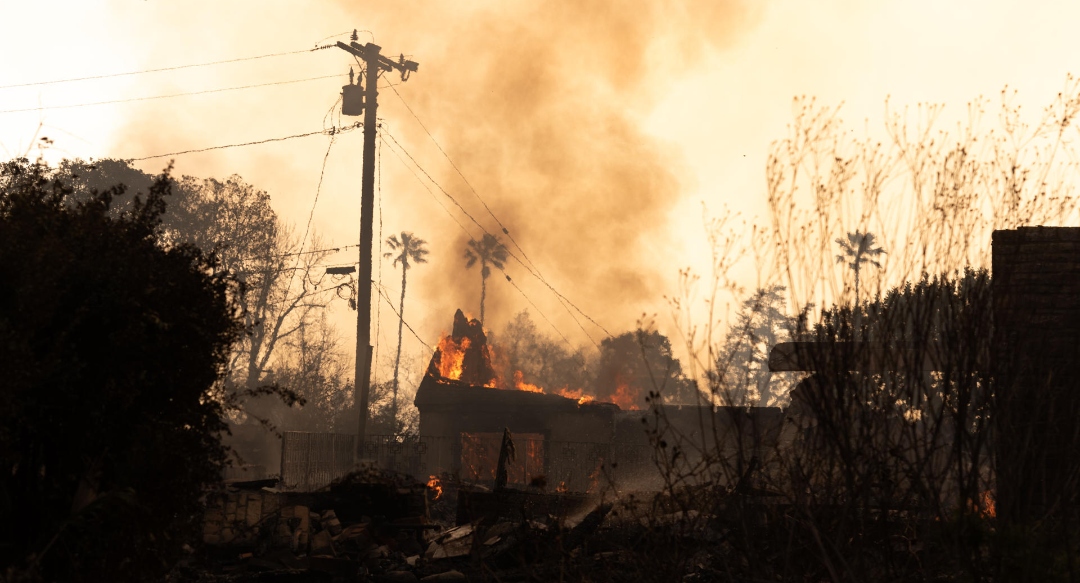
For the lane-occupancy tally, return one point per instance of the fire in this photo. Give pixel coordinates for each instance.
(452, 356)
(576, 394)
(989, 508)
(594, 477)
(521, 385)
(435, 485)
(625, 397)
(561, 488)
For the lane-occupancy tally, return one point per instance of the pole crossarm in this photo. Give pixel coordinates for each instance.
(370, 52)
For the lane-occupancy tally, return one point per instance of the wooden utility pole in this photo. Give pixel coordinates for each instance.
(353, 101)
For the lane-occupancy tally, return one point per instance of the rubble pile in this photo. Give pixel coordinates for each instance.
(369, 527)
(378, 526)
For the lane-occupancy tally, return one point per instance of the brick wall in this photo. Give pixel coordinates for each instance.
(1036, 356)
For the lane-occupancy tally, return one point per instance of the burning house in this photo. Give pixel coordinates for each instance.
(569, 441)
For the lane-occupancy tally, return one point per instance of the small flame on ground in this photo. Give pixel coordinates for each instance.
(435, 485)
(521, 385)
(561, 488)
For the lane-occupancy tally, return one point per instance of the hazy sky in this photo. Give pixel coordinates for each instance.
(594, 131)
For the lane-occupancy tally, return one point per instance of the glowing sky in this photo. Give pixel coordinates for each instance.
(594, 134)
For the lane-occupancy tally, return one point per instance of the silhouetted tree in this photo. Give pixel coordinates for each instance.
(112, 343)
(638, 363)
(282, 291)
(856, 250)
(741, 375)
(488, 251)
(407, 247)
(314, 365)
(543, 360)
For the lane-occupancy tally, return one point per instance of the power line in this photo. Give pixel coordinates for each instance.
(462, 175)
(203, 92)
(537, 274)
(382, 293)
(427, 188)
(566, 301)
(158, 70)
(538, 311)
(332, 130)
(311, 215)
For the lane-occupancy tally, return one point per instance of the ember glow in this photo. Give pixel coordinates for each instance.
(626, 397)
(521, 385)
(452, 356)
(435, 485)
(989, 508)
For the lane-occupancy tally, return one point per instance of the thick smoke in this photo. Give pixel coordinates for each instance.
(541, 104)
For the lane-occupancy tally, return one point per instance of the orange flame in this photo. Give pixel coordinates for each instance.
(521, 385)
(570, 394)
(989, 507)
(625, 397)
(561, 488)
(452, 357)
(435, 485)
(594, 477)
(576, 394)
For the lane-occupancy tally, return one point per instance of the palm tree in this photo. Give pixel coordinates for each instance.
(488, 251)
(407, 247)
(857, 250)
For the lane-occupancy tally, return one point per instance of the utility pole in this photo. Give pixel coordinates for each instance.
(355, 100)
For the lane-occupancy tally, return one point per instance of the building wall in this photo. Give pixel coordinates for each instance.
(1036, 356)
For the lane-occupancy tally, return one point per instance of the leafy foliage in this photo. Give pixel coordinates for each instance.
(111, 343)
(642, 360)
(542, 360)
(488, 252)
(741, 375)
(234, 220)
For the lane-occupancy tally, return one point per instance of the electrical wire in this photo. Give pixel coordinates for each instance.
(158, 70)
(537, 274)
(567, 303)
(428, 189)
(538, 311)
(332, 130)
(382, 293)
(151, 97)
(311, 214)
(463, 228)
(295, 253)
(462, 175)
